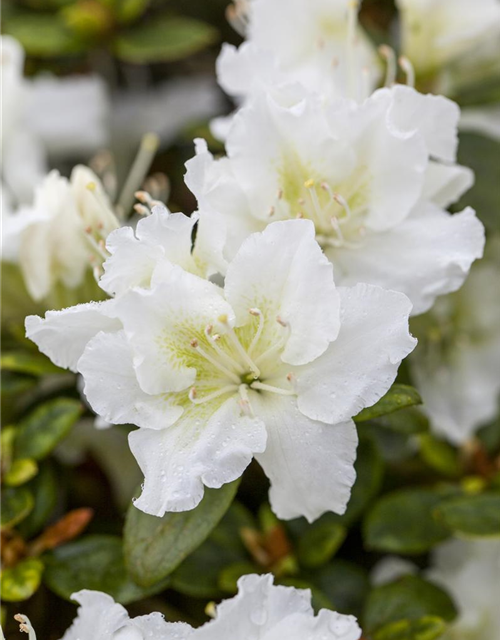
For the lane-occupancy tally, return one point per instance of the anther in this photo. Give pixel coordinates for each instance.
(271, 211)
(309, 184)
(141, 209)
(282, 322)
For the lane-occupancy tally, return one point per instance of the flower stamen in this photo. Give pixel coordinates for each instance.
(238, 346)
(389, 56)
(218, 365)
(211, 396)
(258, 313)
(267, 387)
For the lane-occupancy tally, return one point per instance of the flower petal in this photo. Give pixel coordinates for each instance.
(63, 335)
(444, 184)
(310, 464)
(205, 447)
(112, 389)
(427, 255)
(99, 616)
(360, 366)
(284, 268)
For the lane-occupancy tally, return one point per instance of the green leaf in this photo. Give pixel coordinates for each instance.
(129, 10)
(43, 35)
(164, 40)
(42, 429)
(94, 562)
(229, 576)
(477, 515)
(44, 490)
(21, 471)
(403, 522)
(399, 396)
(345, 584)
(20, 582)
(440, 456)
(154, 547)
(17, 502)
(319, 543)
(409, 598)
(408, 422)
(427, 628)
(481, 154)
(32, 363)
(200, 574)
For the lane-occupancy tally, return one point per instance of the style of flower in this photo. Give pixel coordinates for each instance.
(61, 232)
(469, 571)
(457, 364)
(260, 609)
(438, 33)
(373, 177)
(274, 365)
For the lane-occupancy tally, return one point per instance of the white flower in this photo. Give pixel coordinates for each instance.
(374, 178)
(457, 364)
(46, 115)
(273, 366)
(260, 609)
(315, 43)
(435, 33)
(61, 231)
(469, 571)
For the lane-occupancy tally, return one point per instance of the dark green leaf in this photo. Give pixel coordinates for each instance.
(42, 35)
(345, 584)
(94, 562)
(403, 522)
(476, 515)
(409, 598)
(44, 491)
(440, 456)
(409, 421)
(164, 40)
(17, 502)
(229, 576)
(398, 397)
(427, 628)
(319, 543)
(21, 582)
(154, 547)
(30, 362)
(49, 423)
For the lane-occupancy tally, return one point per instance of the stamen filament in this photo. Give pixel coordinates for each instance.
(407, 67)
(277, 345)
(95, 245)
(212, 339)
(258, 333)
(239, 348)
(245, 400)
(390, 58)
(267, 387)
(218, 365)
(211, 396)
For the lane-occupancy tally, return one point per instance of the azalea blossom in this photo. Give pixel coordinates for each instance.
(457, 364)
(59, 236)
(39, 118)
(374, 178)
(469, 571)
(260, 609)
(274, 365)
(437, 33)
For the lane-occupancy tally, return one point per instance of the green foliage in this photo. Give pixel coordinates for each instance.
(345, 584)
(165, 39)
(42, 429)
(404, 522)
(440, 456)
(399, 396)
(16, 502)
(21, 471)
(93, 562)
(20, 582)
(476, 515)
(43, 35)
(319, 543)
(427, 628)
(409, 599)
(154, 547)
(44, 491)
(30, 362)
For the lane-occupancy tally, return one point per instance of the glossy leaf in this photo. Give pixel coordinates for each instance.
(155, 547)
(43, 35)
(164, 40)
(44, 489)
(17, 502)
(29, 362)
(20, 472)
(319, 543)
(427, 628)
(20, 582)
(477, 515)
(399, 396)
(93, 562)
(404, 522)
(42, 429)
(345, 584)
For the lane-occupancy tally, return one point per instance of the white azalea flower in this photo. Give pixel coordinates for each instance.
(457, 364)
(39, 118)
(273, 366)
(259, 610)
(317, 43)
(61, 231)
(372, 177)
(435, 33)
(469, 571)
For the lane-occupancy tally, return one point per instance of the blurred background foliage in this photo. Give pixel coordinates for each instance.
(67, 520)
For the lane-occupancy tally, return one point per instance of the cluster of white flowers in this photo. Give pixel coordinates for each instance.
(260, 610)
